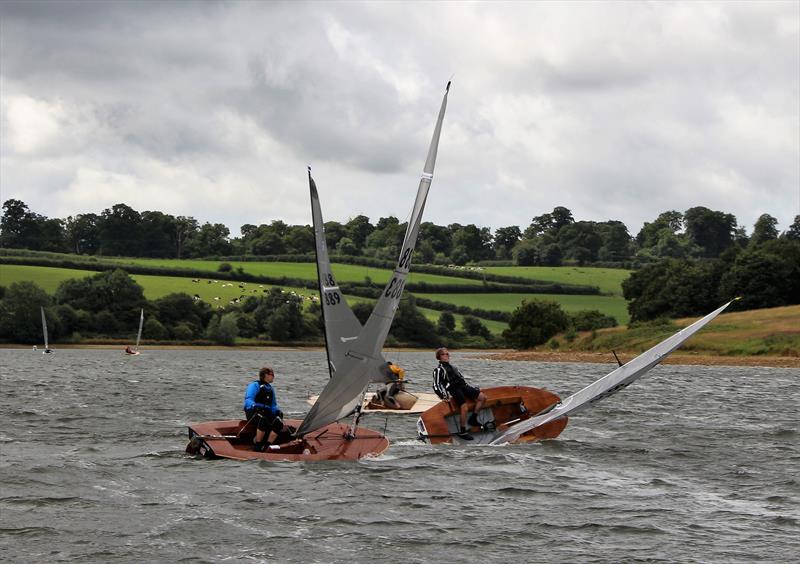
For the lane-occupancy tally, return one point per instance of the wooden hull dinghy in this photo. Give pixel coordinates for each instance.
(503, 420)
(232, 439)
(354, 352)
(505, 406)
(406, 403)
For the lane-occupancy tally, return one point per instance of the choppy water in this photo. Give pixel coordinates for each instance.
(688, 464)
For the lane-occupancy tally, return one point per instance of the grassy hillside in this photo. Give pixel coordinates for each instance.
(773, 331)
(610, 305)
(609, 280)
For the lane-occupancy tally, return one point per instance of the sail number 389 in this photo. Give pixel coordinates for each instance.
(332, 298)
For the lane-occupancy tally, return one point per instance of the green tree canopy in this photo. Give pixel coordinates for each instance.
(534, 322)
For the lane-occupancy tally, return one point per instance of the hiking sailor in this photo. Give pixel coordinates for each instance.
(394, 383)
(449, 383)
(260, 404)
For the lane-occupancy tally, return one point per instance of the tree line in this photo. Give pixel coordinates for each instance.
(551, 239)
(107, 305)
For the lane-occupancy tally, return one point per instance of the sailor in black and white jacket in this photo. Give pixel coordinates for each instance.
(448, 382)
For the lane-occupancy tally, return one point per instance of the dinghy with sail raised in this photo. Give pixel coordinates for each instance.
(502, 421)
(342, 330)
(352, 363)
(47, 349)
(135, 349)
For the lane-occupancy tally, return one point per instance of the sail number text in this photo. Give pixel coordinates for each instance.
(332, 298)
(395, 290)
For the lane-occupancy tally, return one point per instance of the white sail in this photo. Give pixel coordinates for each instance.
(44, 329)
(343, 393)
(139, 334)
(611, 383)
(342, 327)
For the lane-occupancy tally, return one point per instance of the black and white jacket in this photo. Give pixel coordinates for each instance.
(446, 377)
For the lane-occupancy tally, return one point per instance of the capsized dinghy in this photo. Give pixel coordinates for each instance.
(544, 416)
(320, 436)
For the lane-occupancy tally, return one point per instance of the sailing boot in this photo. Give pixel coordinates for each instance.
(464, 435)
(262, 446)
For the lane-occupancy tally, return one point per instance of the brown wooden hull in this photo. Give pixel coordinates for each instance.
(503, 407)
(226, 439)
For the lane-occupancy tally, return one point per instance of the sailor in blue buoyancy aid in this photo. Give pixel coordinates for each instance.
(260, 404)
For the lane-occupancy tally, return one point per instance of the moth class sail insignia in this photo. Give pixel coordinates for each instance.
(352, 363)
(509, 416)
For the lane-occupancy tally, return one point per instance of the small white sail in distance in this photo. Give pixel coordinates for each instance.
(610, 383)
(44, 331)
(139, 334)
(343, 393)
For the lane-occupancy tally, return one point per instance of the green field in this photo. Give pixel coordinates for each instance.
(302, 270)
(609, 280)
(610, 305)
(215, 293)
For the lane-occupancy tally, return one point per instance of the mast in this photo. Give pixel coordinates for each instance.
(312, 189)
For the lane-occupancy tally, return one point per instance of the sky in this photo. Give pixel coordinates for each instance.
(617, 111)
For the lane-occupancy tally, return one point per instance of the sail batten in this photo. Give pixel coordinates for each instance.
(343, 392)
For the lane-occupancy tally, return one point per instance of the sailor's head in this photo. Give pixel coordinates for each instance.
(442, 354)
(266, 375)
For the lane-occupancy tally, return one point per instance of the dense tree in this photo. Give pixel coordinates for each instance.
(766, 276)
(673, 288)
(667, 223)
(580, 241)
(765, 229)
(475, 327)
(20, 315)
(211, 239)
(446, 323)
(113, 291)
(157, 234)
(794, 229)
(358, 229)
(299, 240)
(181, 309)
(118, 231)
(712, 231)
(82, 233)
(475, 242)
(534, 322)
(223, 329)
(411, 327)
(505, 238)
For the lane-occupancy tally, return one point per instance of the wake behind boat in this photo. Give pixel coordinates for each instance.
(353, 362)
(507, 418)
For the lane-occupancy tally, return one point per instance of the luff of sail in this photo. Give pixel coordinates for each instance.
(343, 393)
(612, 382)
(341, 325)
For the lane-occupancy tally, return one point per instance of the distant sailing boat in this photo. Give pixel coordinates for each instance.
(47, 349)
(135, 349)
(352, 364)
(519, 414)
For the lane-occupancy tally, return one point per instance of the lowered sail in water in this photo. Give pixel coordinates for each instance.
(342, 327)
(359, 356)
(609, 384)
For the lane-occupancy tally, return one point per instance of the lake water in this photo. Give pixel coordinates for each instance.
(688, 464)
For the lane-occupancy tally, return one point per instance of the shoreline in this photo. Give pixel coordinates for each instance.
(498, 354)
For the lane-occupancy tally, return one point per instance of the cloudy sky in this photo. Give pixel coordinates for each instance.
(214, 109)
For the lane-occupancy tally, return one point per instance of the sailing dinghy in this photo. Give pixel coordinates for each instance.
(352, 363)
(135, 349)
(47, 349)
(509, 416)
(342, 329)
